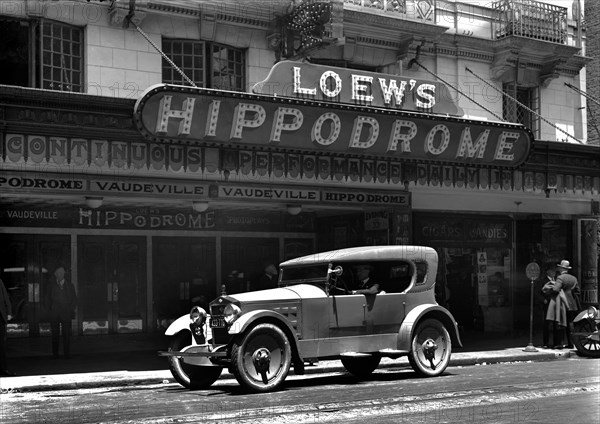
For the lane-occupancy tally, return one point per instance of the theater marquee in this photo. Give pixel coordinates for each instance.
(167, 113)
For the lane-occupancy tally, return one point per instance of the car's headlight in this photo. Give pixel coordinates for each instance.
(231, 313)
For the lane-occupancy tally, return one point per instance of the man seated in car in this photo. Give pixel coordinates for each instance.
(363, 277)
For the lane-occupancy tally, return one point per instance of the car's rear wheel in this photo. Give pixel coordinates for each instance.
(361, 366)
(261, 358)
(188, 375)
(430, 348)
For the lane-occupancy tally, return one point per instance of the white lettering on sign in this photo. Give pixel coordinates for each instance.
(297, 85)
(359, 90)
(361, 87)
(337, 84)
(505, 144)
(42, 183)
(402, 131)
(372, 135)
(392, 89)
(466, 147)
(268, 193)
(165, 112)
(280, 124)
(32, 214)
(240, 122)
(156, 188)
(334, 132)
(354, 197)
(112, 218)
(444, 143)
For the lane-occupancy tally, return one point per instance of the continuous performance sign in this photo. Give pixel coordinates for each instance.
(196, 115)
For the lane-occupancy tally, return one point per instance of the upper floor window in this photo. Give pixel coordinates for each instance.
(517, 111)
(42, 54)
(209, 65)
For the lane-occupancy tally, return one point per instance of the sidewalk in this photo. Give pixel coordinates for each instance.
(132, 359)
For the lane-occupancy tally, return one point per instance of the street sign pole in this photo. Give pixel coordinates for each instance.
(533, 273)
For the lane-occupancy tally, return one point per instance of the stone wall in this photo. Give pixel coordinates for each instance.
(592, 25)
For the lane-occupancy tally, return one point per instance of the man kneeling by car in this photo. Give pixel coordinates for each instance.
(365, 284)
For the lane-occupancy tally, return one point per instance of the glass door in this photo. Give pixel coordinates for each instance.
(112, 284)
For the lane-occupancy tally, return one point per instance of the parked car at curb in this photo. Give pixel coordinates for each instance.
(313, 315)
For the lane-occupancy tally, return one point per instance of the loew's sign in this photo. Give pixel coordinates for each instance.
(352, 86)
(196, 115)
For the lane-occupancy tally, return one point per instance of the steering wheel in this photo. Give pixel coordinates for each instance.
(340, 285)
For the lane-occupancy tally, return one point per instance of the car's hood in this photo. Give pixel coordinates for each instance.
(300, 291)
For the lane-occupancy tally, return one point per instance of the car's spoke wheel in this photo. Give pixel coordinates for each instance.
(261, 358)
(430, 348)
(361, 367)
(585, 346)
(188, 375)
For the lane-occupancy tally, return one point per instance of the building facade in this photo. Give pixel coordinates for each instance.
(152, 208)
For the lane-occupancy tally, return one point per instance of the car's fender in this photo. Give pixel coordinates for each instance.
(245, 320)
(181, 323)
(583, 315)
(419, 312)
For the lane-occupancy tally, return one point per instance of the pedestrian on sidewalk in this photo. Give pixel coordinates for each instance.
(5, 316)
(556, 315)
(61, 303)
(570, 287)
(547, 293)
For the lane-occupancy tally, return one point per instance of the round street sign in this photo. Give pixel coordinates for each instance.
(532, 271)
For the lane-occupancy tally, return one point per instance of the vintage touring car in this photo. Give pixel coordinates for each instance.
(313, 314)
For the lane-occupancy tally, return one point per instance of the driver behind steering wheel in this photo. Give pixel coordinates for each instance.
(365, 284)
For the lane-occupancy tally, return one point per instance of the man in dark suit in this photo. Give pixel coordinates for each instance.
(268, 280)
(365, 284)
(5, 316)
(61, 303)
(570, 287)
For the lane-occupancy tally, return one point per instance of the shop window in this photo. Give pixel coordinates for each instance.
(41, 54)
(518, 111)
(209, 65)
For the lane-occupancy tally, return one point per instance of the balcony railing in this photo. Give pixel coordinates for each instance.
(531, 19)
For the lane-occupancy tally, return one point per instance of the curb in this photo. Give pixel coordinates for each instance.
(134, 378)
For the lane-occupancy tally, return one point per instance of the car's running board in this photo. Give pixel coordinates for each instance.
(182, 354)
(388, 353)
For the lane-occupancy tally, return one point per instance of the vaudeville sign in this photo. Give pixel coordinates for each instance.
(196, 115)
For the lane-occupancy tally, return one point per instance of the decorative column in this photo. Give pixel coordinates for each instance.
(587, 230)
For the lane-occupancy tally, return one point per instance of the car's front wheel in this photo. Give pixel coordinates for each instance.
(188, 375)
(430, 348)
(361, 366)
(261, 358)
(584, 345)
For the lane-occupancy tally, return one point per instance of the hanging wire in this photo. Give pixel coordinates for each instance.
(525, 107)
(583, 93)
(587, 96)
(160, 51)
(455, 89)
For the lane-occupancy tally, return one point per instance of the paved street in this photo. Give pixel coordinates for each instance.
(527, 392)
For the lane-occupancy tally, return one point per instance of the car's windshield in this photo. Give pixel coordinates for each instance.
(315, 273)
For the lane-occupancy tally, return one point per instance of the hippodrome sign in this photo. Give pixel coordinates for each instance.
(352, 86)
(196, 115)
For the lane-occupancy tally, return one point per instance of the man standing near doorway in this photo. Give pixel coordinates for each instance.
(61, 303)
(5, 316)
(570, 287)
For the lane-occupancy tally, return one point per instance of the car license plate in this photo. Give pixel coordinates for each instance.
(218, 322)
